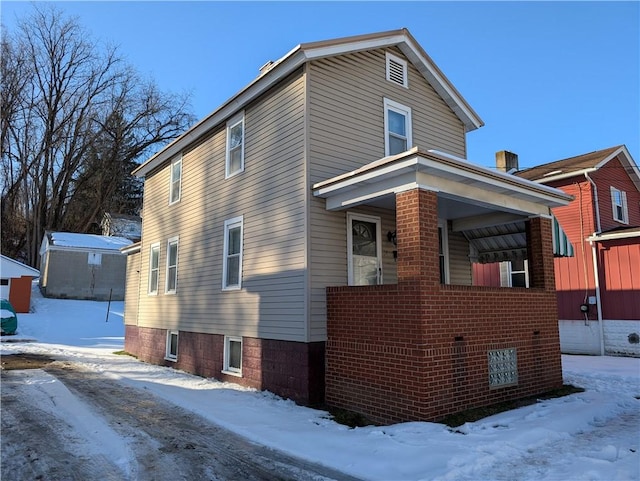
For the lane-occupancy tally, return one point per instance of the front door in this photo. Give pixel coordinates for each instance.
(364, 249)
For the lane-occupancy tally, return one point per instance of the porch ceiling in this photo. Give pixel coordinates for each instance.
(464, 189)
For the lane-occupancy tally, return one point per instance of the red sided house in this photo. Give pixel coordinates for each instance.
(598, 287)
(313, 237)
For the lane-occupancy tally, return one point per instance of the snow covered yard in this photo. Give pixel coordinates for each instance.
(593, 435)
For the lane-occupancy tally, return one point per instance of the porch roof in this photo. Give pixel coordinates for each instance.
(488, 207)
(451, 177)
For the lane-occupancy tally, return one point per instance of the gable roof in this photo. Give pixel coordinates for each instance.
(273, 72)
(10, 268)
(581, 164)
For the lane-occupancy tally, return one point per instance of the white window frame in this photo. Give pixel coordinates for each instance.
(227, 369)
(228, 225)
(175, 184)
(443, 227)
(170, 242)
(403, 110)
(512, 271)
(150, 290)
(622, 204)
(351, 216)
(405, 77)
(169, 356)
(233, 122)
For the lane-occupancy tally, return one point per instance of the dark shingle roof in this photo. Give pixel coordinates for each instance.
(566, 166)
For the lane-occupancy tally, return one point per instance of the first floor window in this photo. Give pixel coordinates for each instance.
(233, 355)
(172, 346)
(172, 266)
(232, 262)
(519, 273)
(154, 268)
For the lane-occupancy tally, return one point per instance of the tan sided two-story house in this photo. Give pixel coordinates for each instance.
(314, 237)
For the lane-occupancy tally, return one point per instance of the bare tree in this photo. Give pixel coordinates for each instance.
(75, 121)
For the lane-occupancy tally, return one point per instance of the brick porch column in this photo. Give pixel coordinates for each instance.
(417, 237)
(540, 253)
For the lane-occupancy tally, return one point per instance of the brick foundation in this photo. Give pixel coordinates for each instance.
(293, 370)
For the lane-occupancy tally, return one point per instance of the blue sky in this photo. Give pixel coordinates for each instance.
(550, 79)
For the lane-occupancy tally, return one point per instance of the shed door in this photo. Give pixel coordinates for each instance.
(5, 287)
(364, 250)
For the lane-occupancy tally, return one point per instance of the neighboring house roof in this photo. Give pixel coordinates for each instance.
(278, 70)
(87, 242)
(10, 268)
(582, 164)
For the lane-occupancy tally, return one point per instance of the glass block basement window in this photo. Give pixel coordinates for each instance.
(503, 367)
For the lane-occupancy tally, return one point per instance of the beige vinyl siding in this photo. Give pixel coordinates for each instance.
(269, 194)
(132, 288)
(459, 263)
(346, 117)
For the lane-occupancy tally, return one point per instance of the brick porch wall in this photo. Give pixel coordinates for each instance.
(293, 370)
(418, 350)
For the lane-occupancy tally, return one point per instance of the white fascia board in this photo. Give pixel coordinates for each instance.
(131, 249)
(614, 236)
(117, 252)
(313, 53)
(389, 171)
(629, 161)
(497, 180)
(567, 175)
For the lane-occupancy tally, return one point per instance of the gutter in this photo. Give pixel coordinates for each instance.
(594, 252)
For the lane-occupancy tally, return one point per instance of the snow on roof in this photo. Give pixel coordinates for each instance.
(10, 268)
(87, 241)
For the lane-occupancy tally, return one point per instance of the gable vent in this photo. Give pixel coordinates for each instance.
(397, 70)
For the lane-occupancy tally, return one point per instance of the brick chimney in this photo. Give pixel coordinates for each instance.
(506, 161)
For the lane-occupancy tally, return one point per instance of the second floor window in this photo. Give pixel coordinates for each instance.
(235, 146)
(619, 203)
(172, 266)
(397, 128)
(176, 179)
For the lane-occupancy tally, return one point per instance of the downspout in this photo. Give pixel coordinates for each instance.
(594, 252)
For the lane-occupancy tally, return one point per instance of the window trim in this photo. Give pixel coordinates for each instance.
(405, 71)
(170, 241)
(444, 227)
(167, 354)
(231, 123)
(351, 216)
(511, 271)
(624, 219)
(400, 109)
(226, 368)
(172, 181)
(155, 245)
(228, 225)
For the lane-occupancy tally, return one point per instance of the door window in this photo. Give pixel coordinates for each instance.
(365, 266)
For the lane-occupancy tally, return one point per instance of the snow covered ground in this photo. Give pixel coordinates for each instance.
(592, 436)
